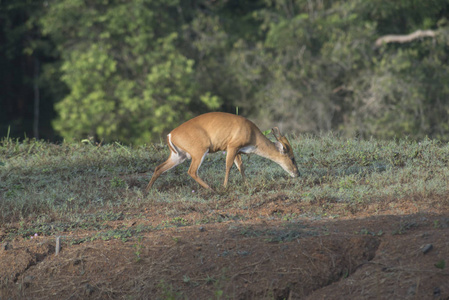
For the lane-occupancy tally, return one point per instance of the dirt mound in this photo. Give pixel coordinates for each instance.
(406, 266)
(370, 258)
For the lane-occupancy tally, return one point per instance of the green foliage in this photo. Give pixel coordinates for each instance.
(316, 68)
(128, 80)
(133, 70)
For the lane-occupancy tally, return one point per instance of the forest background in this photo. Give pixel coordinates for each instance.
(132, 70)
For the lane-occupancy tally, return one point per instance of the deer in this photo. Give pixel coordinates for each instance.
(219, 131)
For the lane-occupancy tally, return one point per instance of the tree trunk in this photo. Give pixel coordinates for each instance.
(36, 98)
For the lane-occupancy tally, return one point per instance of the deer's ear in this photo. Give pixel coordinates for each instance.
(281, 147)
(276, 133)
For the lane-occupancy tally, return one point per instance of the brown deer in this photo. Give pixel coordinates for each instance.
(217, 131)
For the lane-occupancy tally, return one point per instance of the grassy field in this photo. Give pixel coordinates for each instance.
(48, 188)
(181, 241)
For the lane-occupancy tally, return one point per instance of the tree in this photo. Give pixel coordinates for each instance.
(25, 93)
(304, 64)
(404, 91)
(127, 79)
(316, 68)
(132, 70)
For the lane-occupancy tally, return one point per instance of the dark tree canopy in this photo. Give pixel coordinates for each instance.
(132, 70)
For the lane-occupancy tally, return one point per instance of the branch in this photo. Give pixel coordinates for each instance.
(393, 38)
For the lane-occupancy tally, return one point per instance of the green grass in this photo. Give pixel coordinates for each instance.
(77, 185)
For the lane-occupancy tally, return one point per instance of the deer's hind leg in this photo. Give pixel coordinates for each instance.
(173, 160)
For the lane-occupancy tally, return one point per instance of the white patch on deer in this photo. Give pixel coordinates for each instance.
(204, 155)
(247, 149)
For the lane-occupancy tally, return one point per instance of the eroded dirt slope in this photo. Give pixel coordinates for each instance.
(359, 257)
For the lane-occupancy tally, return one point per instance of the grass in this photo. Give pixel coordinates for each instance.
(50, 188)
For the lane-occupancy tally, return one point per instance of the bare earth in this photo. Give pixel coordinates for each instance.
(396, 252)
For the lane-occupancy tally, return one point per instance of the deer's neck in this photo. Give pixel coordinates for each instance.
(266, 149)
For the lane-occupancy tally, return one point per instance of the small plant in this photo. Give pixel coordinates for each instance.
(186, 279)
(441, 264)
(347, 183)
(117, 182)
(138, 246)
(178, 221)
(168, 293)
(365, 231)
(404, 227)
(119, 234)
(289, 217)
(436, 224)
(210, 279)
(218, 294)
